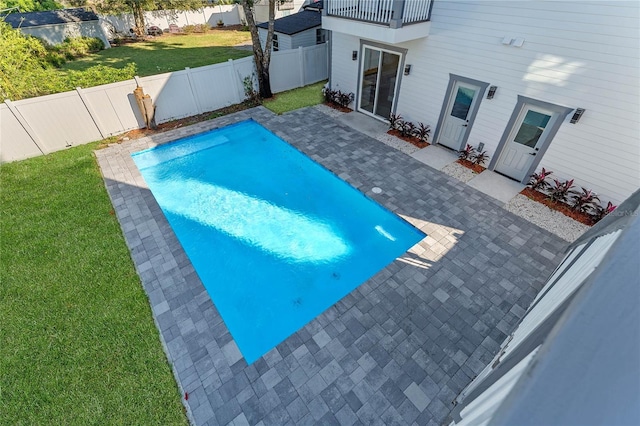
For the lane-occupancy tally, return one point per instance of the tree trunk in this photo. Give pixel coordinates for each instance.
(138, 18)
(262, 57)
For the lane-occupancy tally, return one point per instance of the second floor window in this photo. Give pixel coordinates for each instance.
(285, 4)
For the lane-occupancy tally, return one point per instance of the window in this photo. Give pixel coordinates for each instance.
(321, 36)
(275, 42)
(285, 4)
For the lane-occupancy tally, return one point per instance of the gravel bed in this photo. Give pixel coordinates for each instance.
(459, 172)
(550, 220)
(397, 143)
(331, 112)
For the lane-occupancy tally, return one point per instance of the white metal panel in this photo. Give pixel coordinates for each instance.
(115, 106)
(15, 142)
(480, 410)
(566, 285)
(583, 57)
(171, 94)
(59, 120)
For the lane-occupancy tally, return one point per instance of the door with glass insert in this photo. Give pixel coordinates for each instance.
(524, 142)
(456, 122)
(379, 78)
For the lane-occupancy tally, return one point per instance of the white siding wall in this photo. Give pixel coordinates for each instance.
(261, 10)
(55, 34)
(304, 38)
(578, 55)
(285, 42)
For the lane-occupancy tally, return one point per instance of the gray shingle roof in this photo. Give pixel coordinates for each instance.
(296, 22)
(50, 17)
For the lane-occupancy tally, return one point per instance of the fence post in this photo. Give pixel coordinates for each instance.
(26, 127)
(301, 61)
(92, 113)
(234, 79)
(194, 95)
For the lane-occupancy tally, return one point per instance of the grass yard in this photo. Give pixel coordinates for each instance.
(296, 98)
(170, 52)
(77, 341)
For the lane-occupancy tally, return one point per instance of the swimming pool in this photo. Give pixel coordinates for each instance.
(275, 238)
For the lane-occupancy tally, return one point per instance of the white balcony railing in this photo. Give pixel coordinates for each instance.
(381, 11)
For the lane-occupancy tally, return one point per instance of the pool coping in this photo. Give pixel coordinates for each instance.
(208, 365)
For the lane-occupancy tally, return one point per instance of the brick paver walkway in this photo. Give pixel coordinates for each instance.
(400, 347)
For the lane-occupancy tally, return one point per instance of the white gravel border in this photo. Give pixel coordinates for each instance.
(546, 218)
(331, 112)
(459, 172)
(397, 143)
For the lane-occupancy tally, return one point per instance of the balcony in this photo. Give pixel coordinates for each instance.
(389, 21)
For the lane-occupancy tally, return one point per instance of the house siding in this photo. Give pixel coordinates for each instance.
(577, 56)
(304, 38)
(55, 34)
(261, 10)
(284, 41)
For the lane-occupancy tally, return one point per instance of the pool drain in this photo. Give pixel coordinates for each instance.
(376, 190)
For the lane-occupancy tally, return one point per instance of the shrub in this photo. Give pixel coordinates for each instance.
(189, 29)
(336, 97)
(538, 181)
(248, 84)
(561, 191)
(585, 201)
(407, 128)
(394, 120)
(202, 28)
(467, 153)
(422, 132)
(600, 212)
(480, 158)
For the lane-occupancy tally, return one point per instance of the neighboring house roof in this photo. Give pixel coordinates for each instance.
(50, 17)
(296, 22)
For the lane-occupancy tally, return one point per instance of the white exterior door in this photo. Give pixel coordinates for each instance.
(462, 100)
(523, 142)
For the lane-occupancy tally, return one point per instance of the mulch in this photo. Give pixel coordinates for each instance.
(338, 107)
(411, 139)
(175, 124)
(560, 207)
(476, 168)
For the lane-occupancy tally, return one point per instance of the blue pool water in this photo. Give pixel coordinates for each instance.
(275, 238)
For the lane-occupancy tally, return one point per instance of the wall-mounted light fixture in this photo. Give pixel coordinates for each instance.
(407, 69)
(354, 55)
(577, 115)
(492, 92)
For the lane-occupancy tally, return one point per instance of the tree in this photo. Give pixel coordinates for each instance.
(30, 5)
(262, 57)
(138, 7)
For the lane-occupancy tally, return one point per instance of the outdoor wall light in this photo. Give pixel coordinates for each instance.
(354, 55)
(407, 69)
(492, 92)
(577, 115)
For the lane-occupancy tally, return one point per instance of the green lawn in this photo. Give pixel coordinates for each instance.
(170, 52)
(296, 98)
(77, 341)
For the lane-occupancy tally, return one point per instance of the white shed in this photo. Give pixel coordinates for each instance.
(53, 26)
(300, 29)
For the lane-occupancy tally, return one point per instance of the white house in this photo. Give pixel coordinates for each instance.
(53, 26)
(283, 8)
(539, 84)
(300, 29)
(574, 358)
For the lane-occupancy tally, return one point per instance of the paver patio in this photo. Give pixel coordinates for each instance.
(400, 347)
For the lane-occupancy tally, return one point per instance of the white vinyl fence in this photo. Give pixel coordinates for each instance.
(36, 126)
(229, 14)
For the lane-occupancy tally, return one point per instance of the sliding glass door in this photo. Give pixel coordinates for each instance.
(379, 78)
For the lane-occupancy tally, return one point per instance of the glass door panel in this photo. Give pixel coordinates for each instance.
(462, 102)
(370, 66)
(387, 86)
(531, 128)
